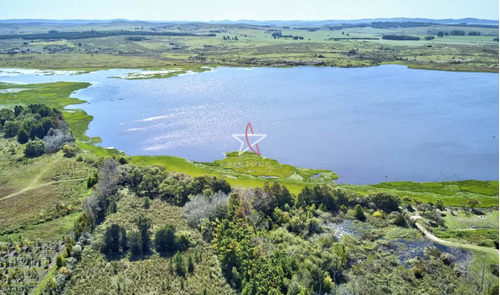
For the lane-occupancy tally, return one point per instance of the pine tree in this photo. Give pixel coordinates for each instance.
(179, 264)
(190, 264)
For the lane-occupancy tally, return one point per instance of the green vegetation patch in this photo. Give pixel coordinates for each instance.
(55, 94)
(252, 164)
(481, 236)
(446, 188)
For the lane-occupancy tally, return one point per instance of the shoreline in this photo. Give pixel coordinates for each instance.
(190, 66)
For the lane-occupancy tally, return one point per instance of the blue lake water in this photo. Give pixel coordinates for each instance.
(385, 123)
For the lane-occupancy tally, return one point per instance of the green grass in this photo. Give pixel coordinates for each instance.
(252, 164)
(481, 237)
(446, 188)
(467, 220)
(455, 193)
(78, 122)
(53, 94)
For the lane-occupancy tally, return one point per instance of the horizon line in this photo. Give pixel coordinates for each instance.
(241, 20)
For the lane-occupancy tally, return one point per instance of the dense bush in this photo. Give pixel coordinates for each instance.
(154, 183)
(386, 202)
(34, 148)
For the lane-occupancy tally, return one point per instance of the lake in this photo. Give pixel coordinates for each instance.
(384, 123)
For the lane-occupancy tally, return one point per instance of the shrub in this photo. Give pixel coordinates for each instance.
(92, 180)
(69, 151)
(418, 273)
(182, 242)
(327, 284)
(122, 161)
(34, 148)
(359, 214)
(386, 202)
(400, 220)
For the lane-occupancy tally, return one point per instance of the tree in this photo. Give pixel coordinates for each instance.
(135, 243)
(22, 136)
(112, 239)
(472, 202)
(34, 148)
(18, 110)
(6, 115)
(59, 261)
(144, 224)
(10, 129)
(36, 131)
(165, 239)
(190, 264)
(179, 264)
(146, 202)
(359, 214)
(123, 240)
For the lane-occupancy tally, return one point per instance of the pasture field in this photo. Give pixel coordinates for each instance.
(247, 45)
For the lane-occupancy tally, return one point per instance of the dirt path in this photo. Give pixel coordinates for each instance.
(29, 187)
(437, 240)
(34, 183)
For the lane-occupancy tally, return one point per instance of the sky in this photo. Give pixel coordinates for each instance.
(205, 10)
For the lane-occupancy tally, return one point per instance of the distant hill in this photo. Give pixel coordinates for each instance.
(469, 21)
